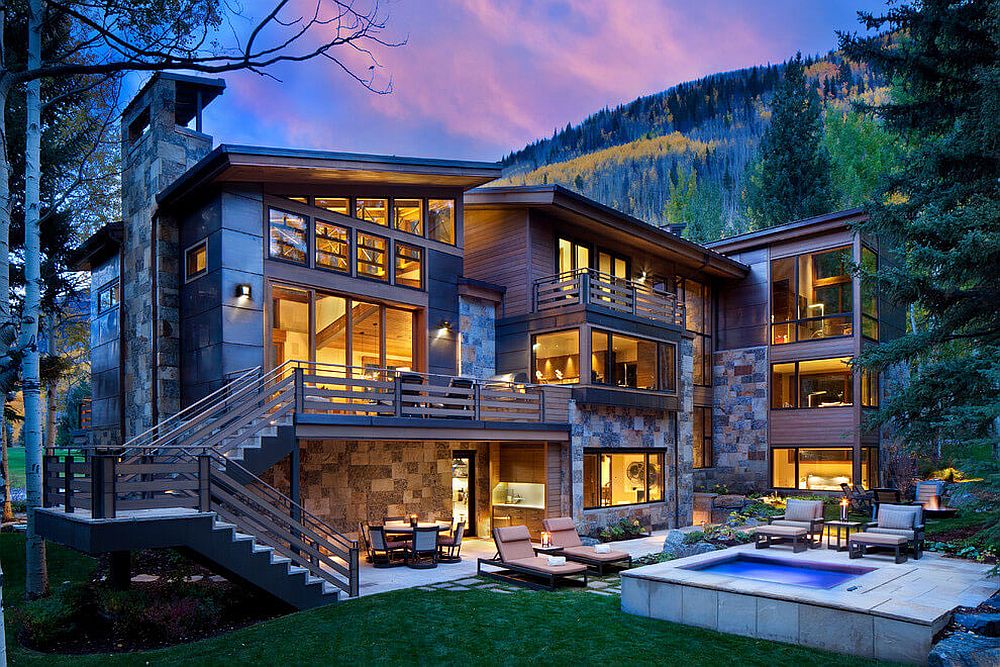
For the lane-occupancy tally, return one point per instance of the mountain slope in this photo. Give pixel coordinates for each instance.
(705, 132)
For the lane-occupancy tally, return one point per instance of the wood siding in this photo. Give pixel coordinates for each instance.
(496, 251)
(812, 428)
(743, 311)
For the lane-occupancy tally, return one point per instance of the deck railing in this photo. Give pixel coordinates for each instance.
(589, 286)
(106, 486)
(378, 392)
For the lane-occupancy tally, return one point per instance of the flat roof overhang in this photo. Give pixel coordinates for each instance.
(790, 231)
(98, 248)
(614, 225)
(256, 164)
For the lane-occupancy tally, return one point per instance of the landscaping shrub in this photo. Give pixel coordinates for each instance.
(623, 530)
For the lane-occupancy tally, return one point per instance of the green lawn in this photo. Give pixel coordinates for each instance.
(471, 627)
(15, 461)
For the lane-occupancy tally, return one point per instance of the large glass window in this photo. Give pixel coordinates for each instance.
(408, 215)
(818, 383)
(701, 429)
(333, 247)
(108, 297)
(811, 296)
(289, 236)
(869, 467)
(869, 294)
(335, 330)
(373, 256)
(341, 205)
(623, 361)
(869, 389)
(409, 266)
(613, 478)
(572, 256)
(289, 325)
(612, 265)
(814, 469)
(556, 357)
(373, 210)
(441, 220)
(697, 299)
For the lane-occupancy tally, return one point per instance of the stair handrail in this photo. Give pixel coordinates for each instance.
(240, 388)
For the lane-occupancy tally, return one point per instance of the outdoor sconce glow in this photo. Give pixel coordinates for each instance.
(243, 290)
(444, 326)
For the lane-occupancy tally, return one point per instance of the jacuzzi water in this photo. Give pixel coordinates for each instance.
(781, 571)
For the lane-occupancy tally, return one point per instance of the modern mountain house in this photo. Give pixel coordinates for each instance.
(287, 343)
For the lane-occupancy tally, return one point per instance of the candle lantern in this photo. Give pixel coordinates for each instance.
(843, 509)
(546, 539)
(413, 520)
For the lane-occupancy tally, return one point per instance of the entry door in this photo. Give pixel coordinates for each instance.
(463, 489)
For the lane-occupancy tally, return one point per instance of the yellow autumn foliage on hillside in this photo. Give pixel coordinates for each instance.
(674, 143)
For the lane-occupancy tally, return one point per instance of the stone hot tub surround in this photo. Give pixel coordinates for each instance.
(891, 613)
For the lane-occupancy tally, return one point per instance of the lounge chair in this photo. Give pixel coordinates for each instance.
(880, 496)
(564, 536)
(860, 501)
(518, 563)
(365, 541)
(450, 546)
(384, 552)
(928, 494)
(421, 553)
(801, 513)
(901, 520)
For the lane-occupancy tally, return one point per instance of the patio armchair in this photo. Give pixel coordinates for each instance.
(421, 553)
(565, 536)
(807, 514)
(450, 546)
(903, 520)
(929, 492)
(384, 552)
(518, 563)
(365, 541)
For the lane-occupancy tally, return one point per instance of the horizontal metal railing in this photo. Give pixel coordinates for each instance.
(589, 286)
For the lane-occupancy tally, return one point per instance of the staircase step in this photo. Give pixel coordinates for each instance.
(239, 537)
(258, 548)
(279, 560)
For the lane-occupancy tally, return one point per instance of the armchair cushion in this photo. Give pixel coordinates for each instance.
(896, 519)
(797, 509)
(916, 510)
(902, 532)
(792, 524)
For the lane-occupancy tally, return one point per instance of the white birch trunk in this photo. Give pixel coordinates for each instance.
(36, 579)
(8, 506)
(50, 391)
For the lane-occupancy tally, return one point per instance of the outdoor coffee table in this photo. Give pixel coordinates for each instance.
(843, 531)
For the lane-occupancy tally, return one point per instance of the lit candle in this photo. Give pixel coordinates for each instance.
(413, 520)
(546, 539)
(843, 509)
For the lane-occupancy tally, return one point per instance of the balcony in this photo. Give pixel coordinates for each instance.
(593, 288)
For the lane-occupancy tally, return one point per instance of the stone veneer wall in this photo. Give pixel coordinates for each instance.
(150, 164)
(477, 324)
(609, 427)
(347, 482)
(739, 421)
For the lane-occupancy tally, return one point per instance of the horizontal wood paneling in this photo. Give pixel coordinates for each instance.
(496, 251)
(522, 463)
(809, 428)
(812, 244)
(822, 348)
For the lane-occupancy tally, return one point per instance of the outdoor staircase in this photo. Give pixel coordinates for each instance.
(241, 556)
(198, 472)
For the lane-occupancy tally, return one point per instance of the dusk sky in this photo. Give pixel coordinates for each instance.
(478, 78)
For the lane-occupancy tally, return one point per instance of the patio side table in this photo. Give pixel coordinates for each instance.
(546, 551)
(843, 530)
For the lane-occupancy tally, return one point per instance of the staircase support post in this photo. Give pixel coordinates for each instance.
(102, 485)
(299, 390)
(204, 481)
(294, 490)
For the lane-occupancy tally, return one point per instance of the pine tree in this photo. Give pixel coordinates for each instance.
(790, 178)
(942, 211)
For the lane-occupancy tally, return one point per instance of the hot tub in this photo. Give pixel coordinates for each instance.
(780, 570)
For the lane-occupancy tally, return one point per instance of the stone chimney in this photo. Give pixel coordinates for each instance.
(161, 140)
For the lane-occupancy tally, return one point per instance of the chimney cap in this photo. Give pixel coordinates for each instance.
(187, 86)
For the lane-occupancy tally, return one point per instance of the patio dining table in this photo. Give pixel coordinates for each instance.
(404, 527)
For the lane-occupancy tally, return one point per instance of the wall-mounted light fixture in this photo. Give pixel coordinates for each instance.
(243, 290)
(444, 326)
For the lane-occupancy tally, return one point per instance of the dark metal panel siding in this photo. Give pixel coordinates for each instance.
(443, 271)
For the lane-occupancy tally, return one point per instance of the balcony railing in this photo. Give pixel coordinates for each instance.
(589, 286)
(378, 392)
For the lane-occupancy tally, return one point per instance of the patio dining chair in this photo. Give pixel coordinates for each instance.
(365, 541)
(421, 553)
(450, 546)
(459, 383)
(385, 553)
(410, 394)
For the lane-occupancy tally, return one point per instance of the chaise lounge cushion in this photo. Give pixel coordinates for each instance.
(563, 531)
(513, 543)
(588, 552)
(541, 564)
